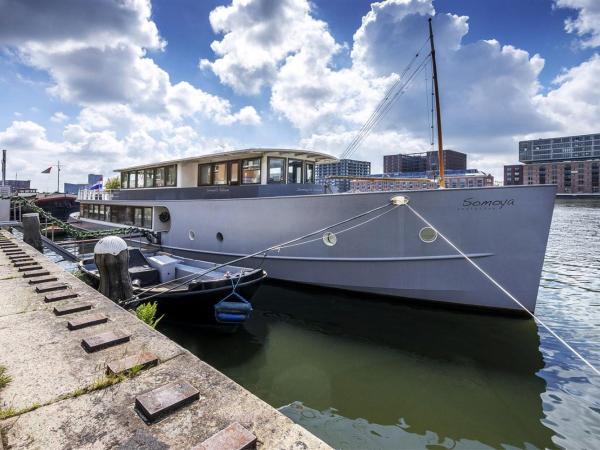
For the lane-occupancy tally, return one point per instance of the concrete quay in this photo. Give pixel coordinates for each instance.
(60, 396)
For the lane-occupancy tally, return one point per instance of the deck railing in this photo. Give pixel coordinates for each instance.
(95, 194)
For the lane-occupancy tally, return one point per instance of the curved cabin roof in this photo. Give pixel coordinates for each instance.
(241, 154)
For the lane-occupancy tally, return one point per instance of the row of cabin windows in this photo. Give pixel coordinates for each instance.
(247, 171)
(136, 216)
(147, 178)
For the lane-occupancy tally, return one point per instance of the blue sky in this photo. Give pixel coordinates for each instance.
(105, 84)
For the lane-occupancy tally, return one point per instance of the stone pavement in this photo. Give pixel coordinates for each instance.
(60, 395)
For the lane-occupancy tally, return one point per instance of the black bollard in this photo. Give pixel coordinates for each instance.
(31, 231)
(112, 259)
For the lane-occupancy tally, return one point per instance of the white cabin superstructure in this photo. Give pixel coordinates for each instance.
(227, 205)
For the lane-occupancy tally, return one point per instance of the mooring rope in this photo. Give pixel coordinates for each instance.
(136, 298)
(508, 294)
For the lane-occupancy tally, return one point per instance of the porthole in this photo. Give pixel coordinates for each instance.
(428, 235)
(220, 236)
(329, 239)
(191, 235)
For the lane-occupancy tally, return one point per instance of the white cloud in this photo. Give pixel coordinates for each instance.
(259, 36)
(96, 54)
(587, 23)
(59, 117)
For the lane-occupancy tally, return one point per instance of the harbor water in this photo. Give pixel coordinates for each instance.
(368, 373)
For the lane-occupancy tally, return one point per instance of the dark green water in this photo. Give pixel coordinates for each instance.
(367, 374)
(362, 373)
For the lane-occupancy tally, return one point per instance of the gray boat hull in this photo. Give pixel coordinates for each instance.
(504, 230)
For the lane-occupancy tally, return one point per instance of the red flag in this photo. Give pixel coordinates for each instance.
(47, 170)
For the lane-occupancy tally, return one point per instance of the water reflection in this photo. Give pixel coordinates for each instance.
(371, 374)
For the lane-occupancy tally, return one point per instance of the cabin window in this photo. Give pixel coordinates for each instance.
(171, 175)
(138, 217)
(131, 180)
(251, 171)
(159, 177)
(276, 172)
(107, 217)
(294, 171)
(309, 173)
(124, 180)
(100, 212)
(219, 173)
(234, 172)
(140, 179)
(147, 219)
(149, 178)
(204, 174)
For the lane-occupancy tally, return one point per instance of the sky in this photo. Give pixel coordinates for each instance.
(104, 84)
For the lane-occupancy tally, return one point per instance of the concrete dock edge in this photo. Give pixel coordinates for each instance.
(60, 396)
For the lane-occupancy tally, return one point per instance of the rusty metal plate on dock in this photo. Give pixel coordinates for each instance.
(86, 321)
(38, 280)
(36, 273)
(234, 437)
(56, 296)
(20, 257)
(33, 266)
(142, 360)
(15, 251)
(49, 287)
(24, 263)
(104, 340)
(71, 308)
(166, 399)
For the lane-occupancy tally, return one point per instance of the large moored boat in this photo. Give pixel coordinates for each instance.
(223, 206)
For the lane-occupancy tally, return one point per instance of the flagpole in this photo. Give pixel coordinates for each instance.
(58, 179)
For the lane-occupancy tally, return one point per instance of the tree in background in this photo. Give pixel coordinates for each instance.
(112, 183)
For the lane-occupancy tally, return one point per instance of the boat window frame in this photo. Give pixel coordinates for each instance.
(134, 174)
(283, 169)
(259, 158)
(137, 178)
(174, 181)
(151, 173)
(156, 169)
(210, 173)
(301, 161)
(312, 177)
(238, 172)
(124, 180)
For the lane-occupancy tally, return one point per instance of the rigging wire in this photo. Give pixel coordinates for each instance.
(508, 294)
(371, 121)
(381, 110)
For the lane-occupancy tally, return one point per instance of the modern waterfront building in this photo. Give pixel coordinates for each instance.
(73, 188)
(419, 181)
(572, 163)
(343, 168)
(422, 162)
(94, 178)
(568, 148)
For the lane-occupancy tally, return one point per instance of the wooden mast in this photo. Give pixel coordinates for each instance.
(437, 110)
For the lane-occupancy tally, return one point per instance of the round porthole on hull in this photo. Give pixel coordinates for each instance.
(428, 235)
(329, 239)
(191, 235)
(220, 237)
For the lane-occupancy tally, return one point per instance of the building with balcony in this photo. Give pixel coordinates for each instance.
(420, 180)
(344, 168)
(567, 148)
(570, 162)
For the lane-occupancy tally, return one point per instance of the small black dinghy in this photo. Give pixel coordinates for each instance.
(189, 288)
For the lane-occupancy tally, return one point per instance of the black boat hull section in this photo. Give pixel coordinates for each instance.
(196, 301)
